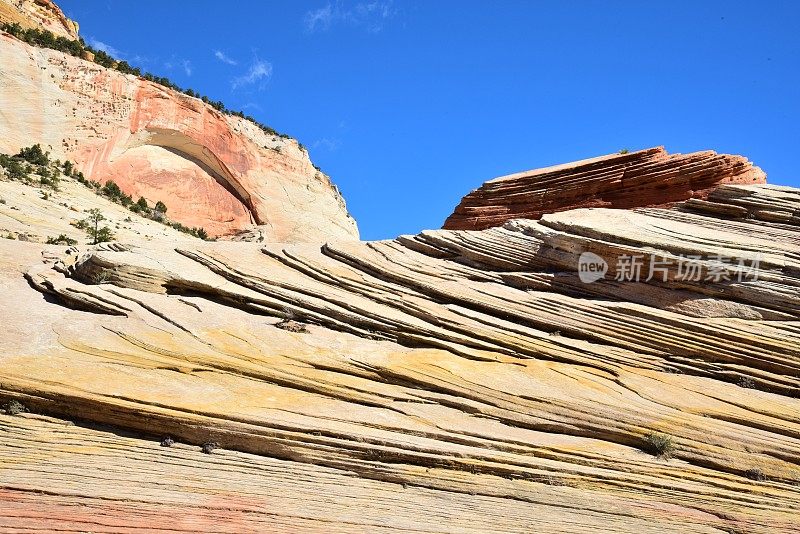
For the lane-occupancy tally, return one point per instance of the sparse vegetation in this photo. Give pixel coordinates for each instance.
(659, 445)
(209, 446)
(746, 382)
(14, 407)
(32, 161)
(62, 239)
(624, 151)
(167, 442)
(100, 277)
(755, 474)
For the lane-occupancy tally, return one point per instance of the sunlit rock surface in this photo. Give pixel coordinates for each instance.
(449, 381)
(649, 177)
(471, 381)
(40, 14)
(212, 170)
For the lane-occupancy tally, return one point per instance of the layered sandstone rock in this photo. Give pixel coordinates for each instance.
(449, 381)
(649, 177)
(39, 14)
(215, 171)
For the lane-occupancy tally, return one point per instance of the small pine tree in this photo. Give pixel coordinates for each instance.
(161, 207)
(98, 234)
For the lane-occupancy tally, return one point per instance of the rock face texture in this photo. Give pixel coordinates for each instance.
(583, 369)
(646, 178)
(40, 14)
(451, 381)
(215, 171)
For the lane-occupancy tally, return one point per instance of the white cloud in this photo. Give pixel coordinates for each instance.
(259, 72)
(368, 15)
(108, 49)
(326, 144)
(187, 67)
(319, 18)
(220, 55)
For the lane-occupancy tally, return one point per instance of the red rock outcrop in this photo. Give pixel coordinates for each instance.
(212, 170)
(647, 178)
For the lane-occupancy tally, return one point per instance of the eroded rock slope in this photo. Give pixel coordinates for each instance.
(450, 381)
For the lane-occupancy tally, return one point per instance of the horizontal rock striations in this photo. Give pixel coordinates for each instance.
(212, 170)
(451, 374)
(646, 178)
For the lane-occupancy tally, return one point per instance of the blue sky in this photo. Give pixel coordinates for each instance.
(409, 105)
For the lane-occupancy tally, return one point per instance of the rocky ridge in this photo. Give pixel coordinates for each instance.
(43, 14)
(649, 177)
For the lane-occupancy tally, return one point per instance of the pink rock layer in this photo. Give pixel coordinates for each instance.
(646, 178)
(215, 171)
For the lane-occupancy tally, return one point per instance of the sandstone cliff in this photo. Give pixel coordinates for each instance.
(470, 381)
(43, 14)
(637, 179)
(213, 170)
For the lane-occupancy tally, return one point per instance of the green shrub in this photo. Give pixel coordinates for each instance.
(111, 189)
(34, 154)
(14, 168)
(62, 239)
(659, 445)
(160, 207)
(103, 235)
